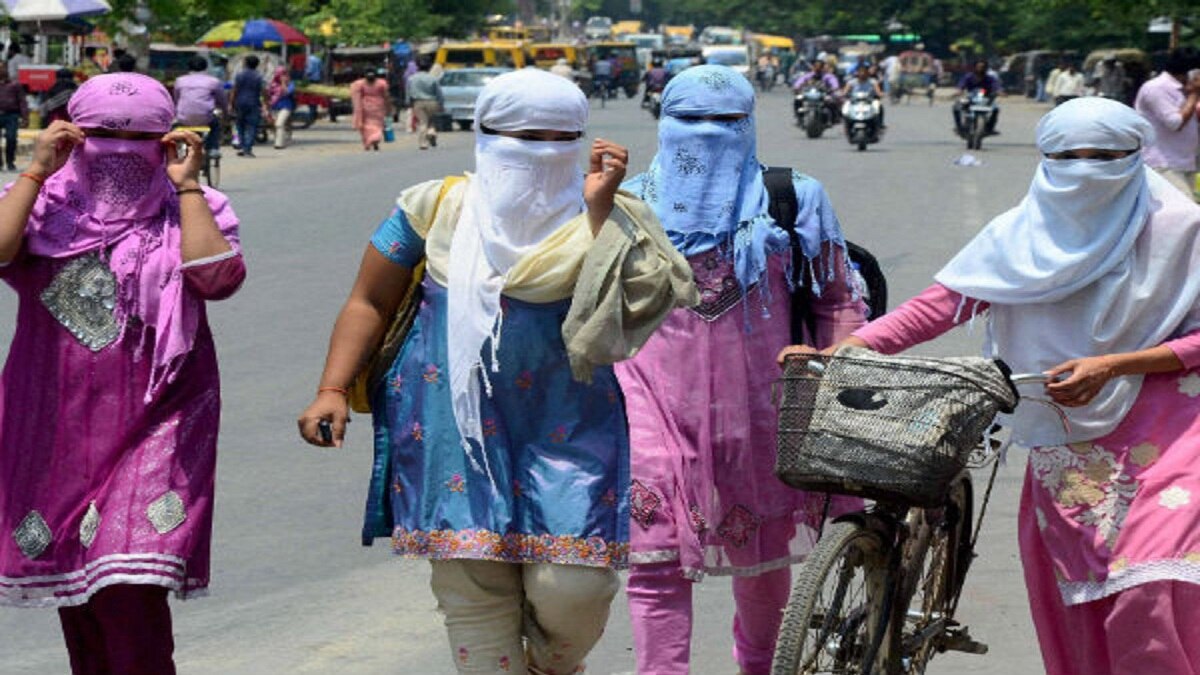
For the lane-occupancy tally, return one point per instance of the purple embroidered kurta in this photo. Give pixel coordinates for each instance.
(702, 426)
(98, 487)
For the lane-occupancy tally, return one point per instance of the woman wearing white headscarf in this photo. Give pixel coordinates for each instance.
(1094, 279)
(501, 454)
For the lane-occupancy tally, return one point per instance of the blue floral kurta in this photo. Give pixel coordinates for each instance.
(558, 450)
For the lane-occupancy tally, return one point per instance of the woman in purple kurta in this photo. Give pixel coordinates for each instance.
(109, 401)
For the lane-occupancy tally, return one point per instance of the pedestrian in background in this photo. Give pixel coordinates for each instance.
(425, 95)
(281, 98)
(1068, 85)
(16, 59)
(199, 100)
(247, 104)
(110, 399)
(1093, 280)
(1169, 102)
(704, 499)
(500, 440)
(372, 106)
(14, 113)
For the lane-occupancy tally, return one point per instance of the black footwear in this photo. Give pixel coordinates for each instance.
(433, 141)
(12, 167)
(249, 154)
(241, 153)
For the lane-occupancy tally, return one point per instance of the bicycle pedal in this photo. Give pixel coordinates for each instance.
(962, 642)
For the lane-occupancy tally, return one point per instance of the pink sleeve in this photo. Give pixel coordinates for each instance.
(838, 313)
(215, 278)
(936, 310)
(1187, 349)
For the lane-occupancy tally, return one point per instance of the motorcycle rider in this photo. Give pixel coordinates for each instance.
(978, 78)
(863, 83)
(656, 79)
(828, 81)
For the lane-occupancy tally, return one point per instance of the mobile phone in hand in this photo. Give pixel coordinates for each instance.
(325, 430)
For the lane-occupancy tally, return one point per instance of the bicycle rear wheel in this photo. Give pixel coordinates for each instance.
(930, 613)
(212, 171)
(838, 610)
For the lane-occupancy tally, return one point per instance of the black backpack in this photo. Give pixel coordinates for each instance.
(783, 209)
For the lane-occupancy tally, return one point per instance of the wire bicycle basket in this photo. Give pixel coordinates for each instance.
(894, 428)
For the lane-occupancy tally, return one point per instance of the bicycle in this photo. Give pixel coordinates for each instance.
(879, 592)
(211, 171)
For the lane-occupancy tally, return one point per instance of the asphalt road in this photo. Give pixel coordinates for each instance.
(294, 592)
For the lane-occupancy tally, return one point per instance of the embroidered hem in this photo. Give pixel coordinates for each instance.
(77, 587)
(1172, 569)
(514, 547)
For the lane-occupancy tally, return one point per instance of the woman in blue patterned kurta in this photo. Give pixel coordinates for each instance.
(491, 460)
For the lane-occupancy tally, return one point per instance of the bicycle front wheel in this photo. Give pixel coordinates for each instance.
(838, 610)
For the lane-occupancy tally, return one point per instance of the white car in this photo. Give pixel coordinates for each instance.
(598, 28)
(460, 88)
(734, 56)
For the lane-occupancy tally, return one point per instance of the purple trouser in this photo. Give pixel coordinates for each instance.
(660, 604)
(122, 630)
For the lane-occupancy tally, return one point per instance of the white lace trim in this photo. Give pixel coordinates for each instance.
(1172, 569)
(651, 557)
(77, 587)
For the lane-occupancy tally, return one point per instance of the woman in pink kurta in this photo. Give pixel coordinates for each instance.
(109, 401)
(1095, 280)
(703, 498)
(372, 105)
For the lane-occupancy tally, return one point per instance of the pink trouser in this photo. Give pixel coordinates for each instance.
(124, 629)
(660, 605)
(1150, 629)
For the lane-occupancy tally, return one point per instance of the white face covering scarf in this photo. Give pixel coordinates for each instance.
(1073, 271)
(521, 193)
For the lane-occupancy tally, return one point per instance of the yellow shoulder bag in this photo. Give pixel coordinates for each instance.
(380, 362)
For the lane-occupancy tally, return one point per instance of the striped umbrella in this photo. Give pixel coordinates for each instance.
(253, 33)
(54, 10)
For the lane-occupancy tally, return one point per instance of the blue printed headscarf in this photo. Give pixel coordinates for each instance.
(705, 183)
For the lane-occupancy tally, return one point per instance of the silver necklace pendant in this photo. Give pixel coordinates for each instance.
(83, 297)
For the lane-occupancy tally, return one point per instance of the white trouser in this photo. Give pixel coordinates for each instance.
(283, 135)
(511, 618)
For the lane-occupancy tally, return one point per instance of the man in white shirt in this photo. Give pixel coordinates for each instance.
(16, 59)
(1068, 85)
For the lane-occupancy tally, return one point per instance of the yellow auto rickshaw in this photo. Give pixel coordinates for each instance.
(480, 55)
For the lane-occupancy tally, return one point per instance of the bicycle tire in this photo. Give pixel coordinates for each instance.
(807, 634)
(943, 572)
(212, 172)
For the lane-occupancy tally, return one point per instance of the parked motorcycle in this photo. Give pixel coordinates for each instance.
(862, 117)
(812, 110)
(972, 114)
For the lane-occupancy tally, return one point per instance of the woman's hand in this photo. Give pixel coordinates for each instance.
(184, 172)
(828, 351)
(329, 406)
(53, 146)
(606, 171)
(1087, 377)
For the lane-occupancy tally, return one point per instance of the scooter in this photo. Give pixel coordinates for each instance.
(654, 103)
(975, 110)
(812, 110)
(862, 120)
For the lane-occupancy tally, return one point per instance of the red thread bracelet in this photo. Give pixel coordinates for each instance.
(35, 178)
(341, 390)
